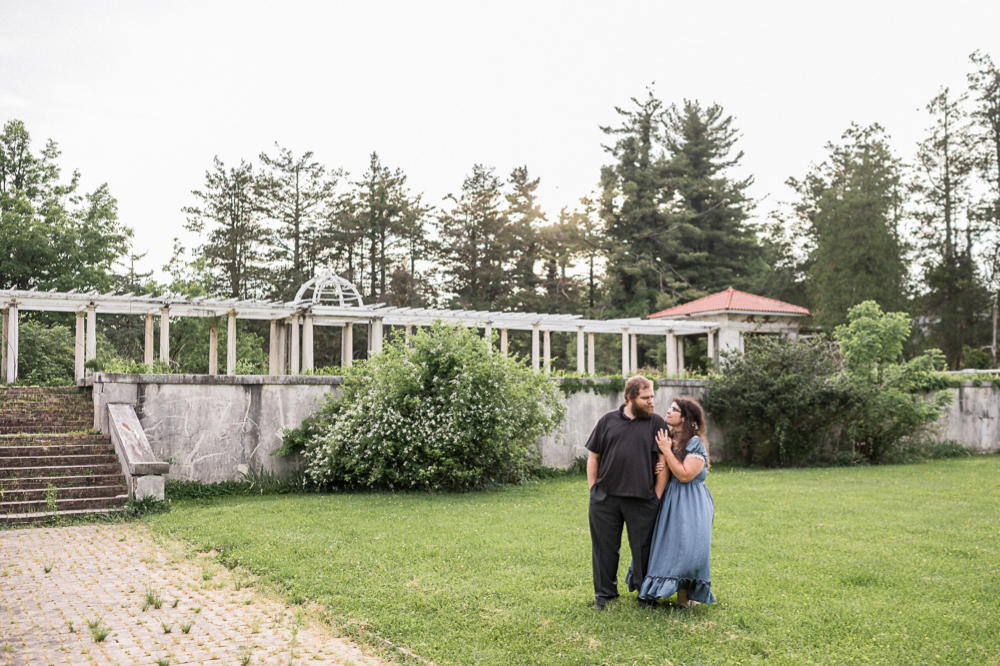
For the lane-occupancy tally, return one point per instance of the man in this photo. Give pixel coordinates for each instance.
(624, 488)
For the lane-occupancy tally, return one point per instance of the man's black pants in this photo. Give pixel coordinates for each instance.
(608, 514)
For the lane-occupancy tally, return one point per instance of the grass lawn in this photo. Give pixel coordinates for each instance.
(880, 565)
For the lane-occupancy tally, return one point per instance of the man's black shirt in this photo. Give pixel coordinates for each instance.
(628, 453)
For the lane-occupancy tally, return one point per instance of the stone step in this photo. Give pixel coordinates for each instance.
(68, 481)
(12, 511)
(64, 492)
(55, 450)
(42, 516)
(38, 429)
(51, 439)
(59, 470)
(86, 460)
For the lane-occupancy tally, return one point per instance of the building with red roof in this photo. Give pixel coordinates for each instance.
(737, 314)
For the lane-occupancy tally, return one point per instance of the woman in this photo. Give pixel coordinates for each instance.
(682, 539)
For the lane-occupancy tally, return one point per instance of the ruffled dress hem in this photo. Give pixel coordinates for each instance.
(664, 587)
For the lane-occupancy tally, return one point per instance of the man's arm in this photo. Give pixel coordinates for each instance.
(662, 477)
(592, 465)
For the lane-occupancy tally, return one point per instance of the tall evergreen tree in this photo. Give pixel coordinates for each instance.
(474, 242)
(984, 83)
(589, 244)
(955, 299)
(714, 248)
(236, 240)
(524, 217)
(849, 214)
(640, 212)
(393, 223)
(293, 191)
(558, 254)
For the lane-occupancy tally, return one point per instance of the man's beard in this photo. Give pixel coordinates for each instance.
(640, 412)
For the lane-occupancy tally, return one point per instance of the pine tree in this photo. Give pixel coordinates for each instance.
(639, 212)
(293, 193)
(714, 248)
(524, 217)
(474, 242)
(984, 83)
(945, 163)
(236, 240)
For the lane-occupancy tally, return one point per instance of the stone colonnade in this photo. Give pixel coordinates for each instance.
(291, 343)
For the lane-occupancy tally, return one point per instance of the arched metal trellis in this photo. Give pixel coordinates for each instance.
(328, 288)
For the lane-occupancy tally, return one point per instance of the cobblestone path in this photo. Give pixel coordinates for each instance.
(107, 572)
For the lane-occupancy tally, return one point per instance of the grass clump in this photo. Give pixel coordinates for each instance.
(151, 597)
(829, 565)
(98, 630)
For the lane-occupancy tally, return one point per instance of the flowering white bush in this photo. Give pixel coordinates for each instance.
(443, 414)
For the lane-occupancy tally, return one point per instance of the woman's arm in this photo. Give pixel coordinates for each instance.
(683, 471)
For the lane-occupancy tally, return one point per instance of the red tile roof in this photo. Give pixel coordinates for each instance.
(730, 299)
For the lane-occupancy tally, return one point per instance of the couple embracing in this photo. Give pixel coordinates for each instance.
(647, 474)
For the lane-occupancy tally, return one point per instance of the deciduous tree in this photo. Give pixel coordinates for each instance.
(849, 215)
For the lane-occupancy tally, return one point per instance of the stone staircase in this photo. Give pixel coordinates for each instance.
(49, 452)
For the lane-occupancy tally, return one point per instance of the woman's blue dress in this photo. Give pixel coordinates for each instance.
(682, 538)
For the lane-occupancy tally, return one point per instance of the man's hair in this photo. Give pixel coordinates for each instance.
(634, 386)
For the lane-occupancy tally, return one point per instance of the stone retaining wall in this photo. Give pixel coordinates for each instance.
(211, 428)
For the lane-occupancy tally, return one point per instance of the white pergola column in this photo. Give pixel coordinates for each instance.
(591, 360)
(671, 354)
(375, 338)
(408, 332)
(711, 346)
(272, 350)
(580, 367)
(231, 344)
(80, 348)
(680, 354)
(91, 333)
(3, 344)
(488, 334)
(164, 335)
(11, 345)
(308, 349)
(547, 350)
(503, 342)
(295, 357)
(213, 348)
(634, 351)
(147, 346)
(282, 346)
(534, 347)
(347, 345)
(625, 347)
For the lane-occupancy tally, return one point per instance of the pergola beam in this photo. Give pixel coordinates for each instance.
(288, 355)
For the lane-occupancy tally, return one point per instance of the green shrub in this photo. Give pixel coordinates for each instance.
(442, 414)
(778, 401)
(123, 366)
(888, 409)
(794, 403)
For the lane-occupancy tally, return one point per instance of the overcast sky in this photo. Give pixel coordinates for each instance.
(142, 95)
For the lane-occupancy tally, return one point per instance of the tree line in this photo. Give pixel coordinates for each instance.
(667, 223)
